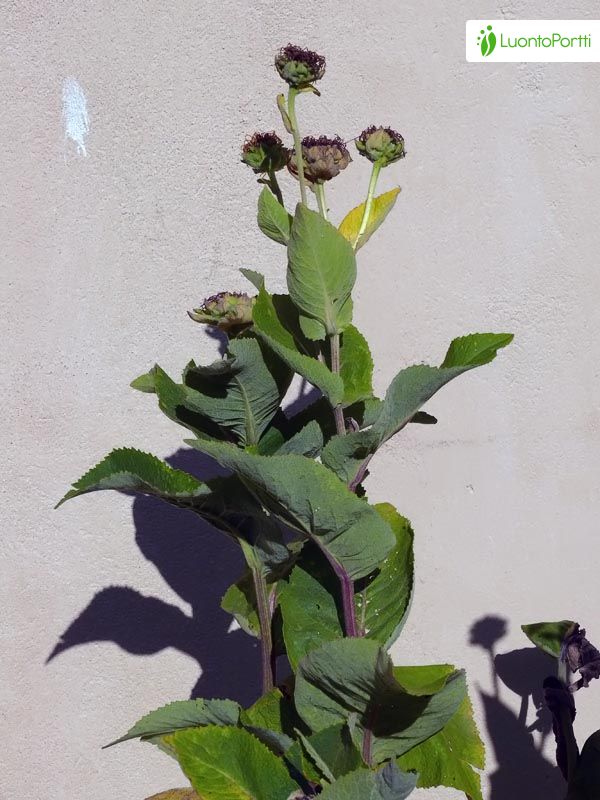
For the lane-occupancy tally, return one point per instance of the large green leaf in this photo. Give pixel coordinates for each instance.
(273, 720)
(353, 680)
(182, 714)
(332, 747)
(130, 470)
(407, 393)
(308, 606)
(276, 322)
(310, 499)
(585, 784)
(231, 764)
(356, 366)
(321, 270)
(388, 783)
(449, 757)
(549, 636)
(273, 220)
(242, 392)
(382, 604)
(380, 208)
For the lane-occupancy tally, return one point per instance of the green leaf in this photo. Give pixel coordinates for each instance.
(353, 680)
(388, 783)
(307, 442)
(276, 322)
(585, 784)
(240, 601)
(549, 636)
(333, 745)
(308, 606)
(424, 680)
(176, 794)
(144, 383)
(449, 757)
(383, 603)
(242, 392)
(310, 499)
(274, 711)
(130, 470)
(255, 278)
(321, 270)
(182, 714)
(231, 764)
(381, 207)
(356, 366)
(273, 220)
(409, 390)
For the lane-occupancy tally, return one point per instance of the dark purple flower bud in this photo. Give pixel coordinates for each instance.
(229, 311)
(299, 67)
(324, 158)
(381, 145)
(265, 152)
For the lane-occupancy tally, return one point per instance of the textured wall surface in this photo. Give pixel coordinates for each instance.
(496, 229)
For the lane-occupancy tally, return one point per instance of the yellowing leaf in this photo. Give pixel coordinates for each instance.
(380, 208)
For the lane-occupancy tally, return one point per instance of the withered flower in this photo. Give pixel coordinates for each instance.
(323, 157)
(229, 311)
(381, 145)
(299, 67)
(581, 656)
(265, 153)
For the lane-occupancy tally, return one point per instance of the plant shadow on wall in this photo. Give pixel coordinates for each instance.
(522, 771)
(199, 566)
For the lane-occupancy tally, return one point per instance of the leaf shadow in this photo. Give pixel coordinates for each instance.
(199, 564)
(522, 770)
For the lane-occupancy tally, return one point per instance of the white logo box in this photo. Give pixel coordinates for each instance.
(535, 39)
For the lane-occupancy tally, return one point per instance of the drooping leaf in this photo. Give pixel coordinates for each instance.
(182, 714)
(585, 784)
(311, 500)
(380, 208)
(410, 389)
(242, 392)
(449, 757)
(334, 746)
(175, 794)
(356, 366)
(321, 270)
(273, 220)
(308, 605)
(276, 323)
(549, 636)
(382, 604)
(231, 764)
(388, 783)
(240, 601)
(354, 680)
(128, 470)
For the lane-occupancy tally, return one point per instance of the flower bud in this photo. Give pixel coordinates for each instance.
(228, 311)
(323, 158)
(299, 67)
(381, 145)
(265, 152)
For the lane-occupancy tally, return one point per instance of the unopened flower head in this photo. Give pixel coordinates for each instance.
(299, 67)
(381, 145)
(265, 152)
(323, 158)
(229, 311)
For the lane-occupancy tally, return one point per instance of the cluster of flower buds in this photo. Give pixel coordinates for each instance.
(298, 67)
(229, 311)
(323, 158)
(381, 145)
(265, 153)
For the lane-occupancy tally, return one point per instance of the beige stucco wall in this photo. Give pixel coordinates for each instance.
(496, 228)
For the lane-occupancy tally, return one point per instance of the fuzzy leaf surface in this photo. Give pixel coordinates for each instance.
(321, 270)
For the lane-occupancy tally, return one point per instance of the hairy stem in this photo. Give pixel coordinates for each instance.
(320, 192)
(274, 183)
(265, 617)
(368, 202)
(347, 587)
(338, 411)
(291, 110)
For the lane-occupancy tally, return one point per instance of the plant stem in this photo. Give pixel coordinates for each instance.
(347, 587)
(320, 192)
(338, 411)
(275, 186)
(266, 638)
(368, 202)
(291, 110)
